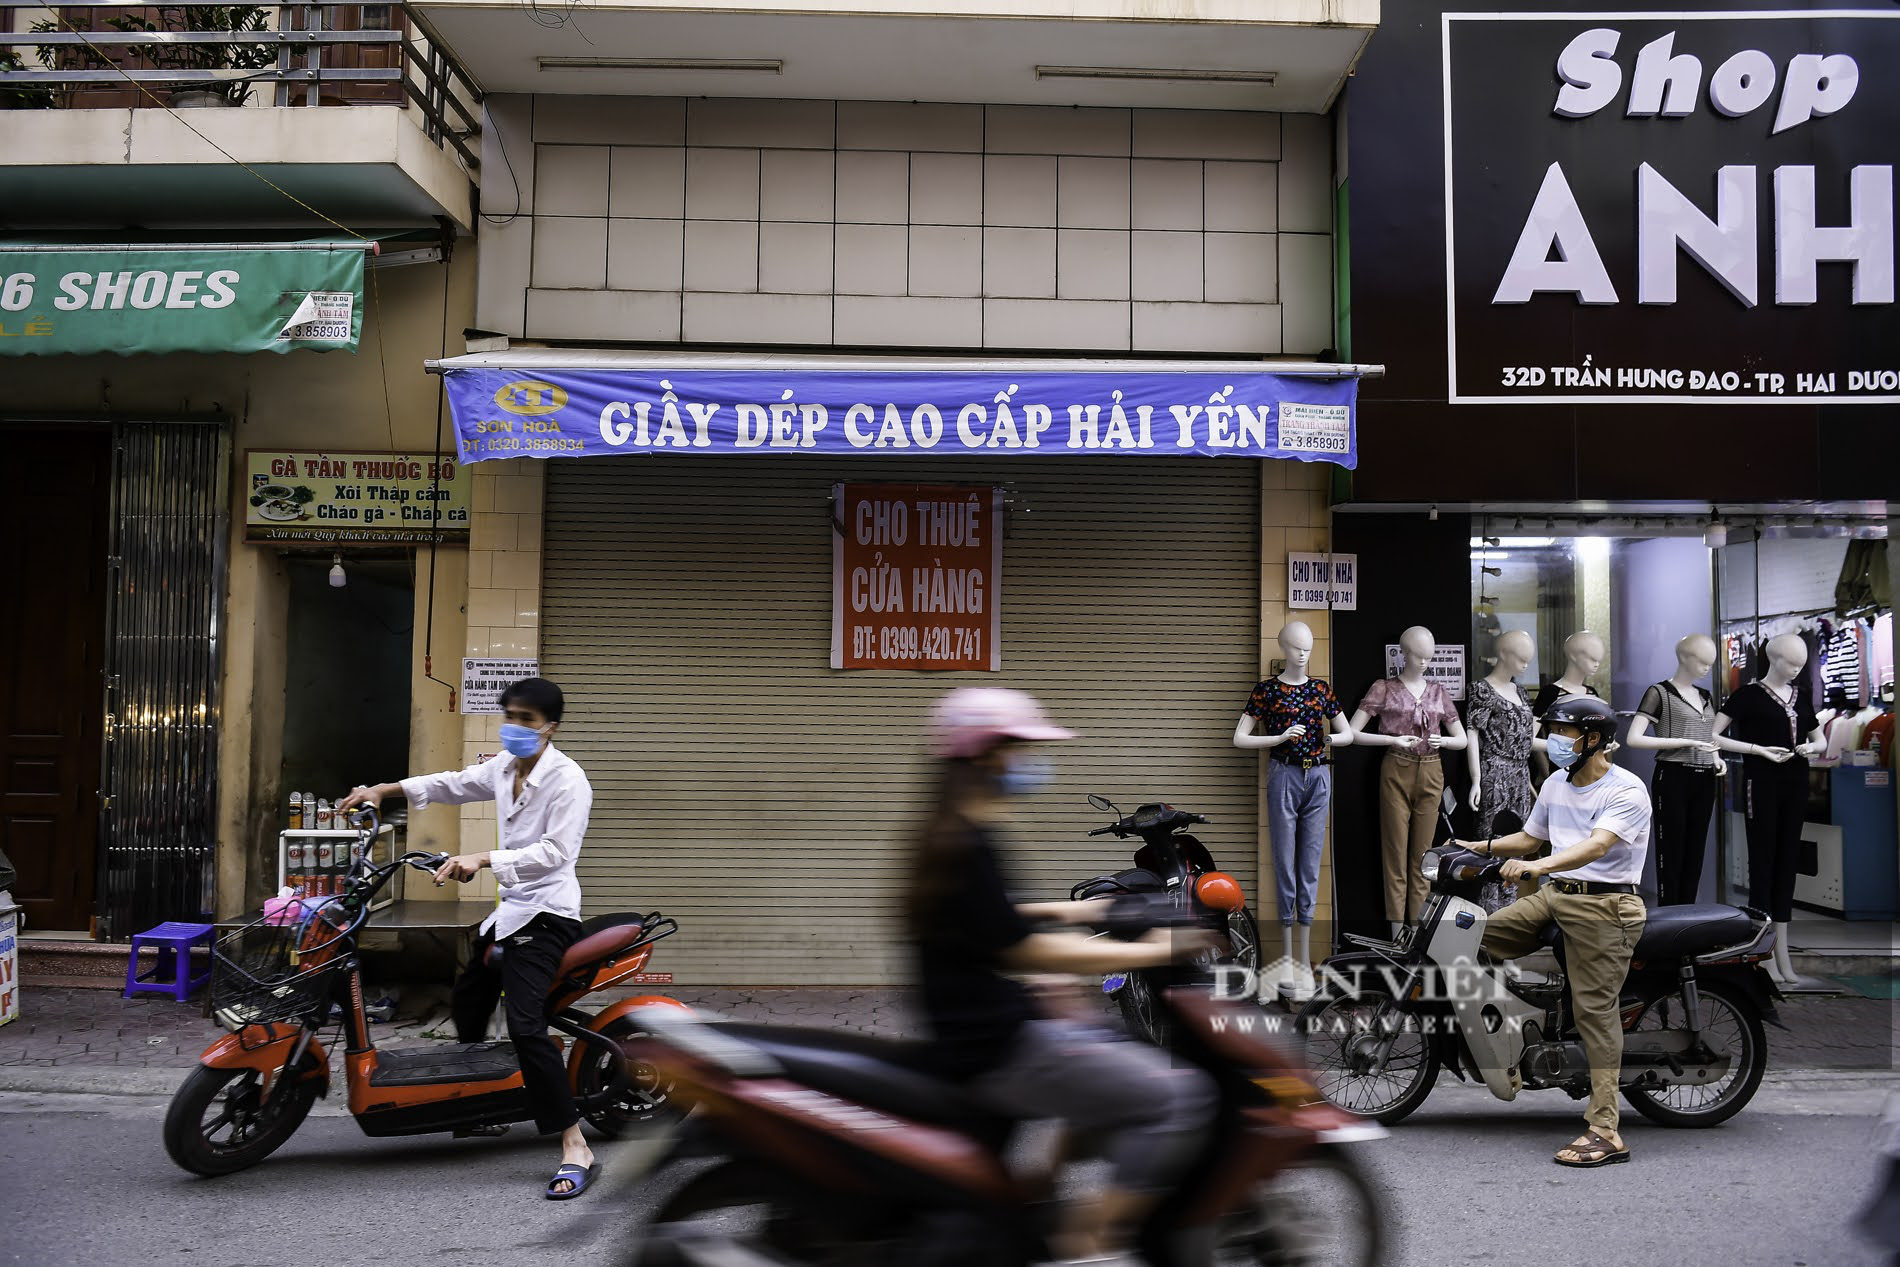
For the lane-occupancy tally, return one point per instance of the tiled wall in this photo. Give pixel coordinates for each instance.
(867, 224)
(503, 612)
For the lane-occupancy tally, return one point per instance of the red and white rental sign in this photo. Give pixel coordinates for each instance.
(916, 571)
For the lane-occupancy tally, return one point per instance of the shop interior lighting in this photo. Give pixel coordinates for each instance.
(337, 577)
(1715, 536)
(1264, 77)
(1514, 543)
(760, 65)
(1489, 555)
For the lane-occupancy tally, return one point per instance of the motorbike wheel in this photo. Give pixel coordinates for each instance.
(1142, 1011)
(735, 1212)
(646, 1098)
(1339, 1038)
(1323, 1212)
(1729, 1022)
(1243, 939)
(220, 1122)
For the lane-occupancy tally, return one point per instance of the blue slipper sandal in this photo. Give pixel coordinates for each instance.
(580, 1176)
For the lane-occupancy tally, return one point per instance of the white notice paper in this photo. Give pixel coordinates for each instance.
(483, 681)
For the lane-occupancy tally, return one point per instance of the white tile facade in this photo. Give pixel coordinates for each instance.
(872, 224)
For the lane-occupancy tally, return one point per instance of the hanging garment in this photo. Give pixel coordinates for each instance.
(1864, 584)
(1840, 667)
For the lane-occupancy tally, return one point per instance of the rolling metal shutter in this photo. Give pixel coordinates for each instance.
(766, 801)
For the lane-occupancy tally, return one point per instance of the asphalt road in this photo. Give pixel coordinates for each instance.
(84, 1181)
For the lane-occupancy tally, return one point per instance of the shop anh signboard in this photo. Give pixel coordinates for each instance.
(345, 498)
(916, 571)
(1670, 206)
(75, 299)
(1243, 412)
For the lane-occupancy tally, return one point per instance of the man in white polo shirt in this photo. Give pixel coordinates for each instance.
(1595, 816)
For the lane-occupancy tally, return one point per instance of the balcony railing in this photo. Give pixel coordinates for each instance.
(307, 54)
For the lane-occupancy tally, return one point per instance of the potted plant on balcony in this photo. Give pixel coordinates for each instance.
(234, 18)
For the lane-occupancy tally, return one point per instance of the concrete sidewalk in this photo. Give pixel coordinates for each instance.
(81, 1040)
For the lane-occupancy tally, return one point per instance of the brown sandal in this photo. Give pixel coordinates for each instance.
(1591, 1151)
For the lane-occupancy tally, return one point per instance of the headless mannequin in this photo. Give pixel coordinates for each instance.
(1417, 644)
(1695, 658)
(1787, 656)
(1295, 975)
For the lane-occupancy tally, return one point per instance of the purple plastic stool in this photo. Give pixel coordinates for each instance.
(174, 942)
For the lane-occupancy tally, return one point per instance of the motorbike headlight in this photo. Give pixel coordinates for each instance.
(1429, 867)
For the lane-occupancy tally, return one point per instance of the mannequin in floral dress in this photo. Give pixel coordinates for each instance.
(1498, 719)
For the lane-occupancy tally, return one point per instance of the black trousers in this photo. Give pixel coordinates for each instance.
(529, 958)
(1683, 800)
(1777, 805)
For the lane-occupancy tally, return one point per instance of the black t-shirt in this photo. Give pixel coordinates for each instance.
(1550, 694)
(1758, 716)
(972, 1008)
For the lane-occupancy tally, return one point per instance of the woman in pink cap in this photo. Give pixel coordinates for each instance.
(969, 937)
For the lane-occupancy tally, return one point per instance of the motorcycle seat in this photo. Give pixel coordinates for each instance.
(878, 1073)
(601, 939)
(1678, 932)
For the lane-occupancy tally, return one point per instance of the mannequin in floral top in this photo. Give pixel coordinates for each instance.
(1416, 722)
(1500, 725)
(1301, 723)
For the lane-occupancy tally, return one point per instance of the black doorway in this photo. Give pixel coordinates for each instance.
(347, 677)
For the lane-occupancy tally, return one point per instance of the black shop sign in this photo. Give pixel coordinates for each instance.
(1671, 206)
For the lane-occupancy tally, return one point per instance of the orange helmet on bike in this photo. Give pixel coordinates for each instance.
(1220, 891)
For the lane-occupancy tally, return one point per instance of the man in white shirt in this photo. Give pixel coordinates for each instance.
(1595, 817)
(542, 799)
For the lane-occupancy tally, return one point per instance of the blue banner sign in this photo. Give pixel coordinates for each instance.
(508, 413)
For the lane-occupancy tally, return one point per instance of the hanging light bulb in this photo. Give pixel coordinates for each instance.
(337, 578)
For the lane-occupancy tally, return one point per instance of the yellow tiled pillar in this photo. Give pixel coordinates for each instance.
(504, 611)
(1295, 517)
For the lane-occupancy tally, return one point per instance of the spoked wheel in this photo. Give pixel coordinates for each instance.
(1731, 1028)
(1243, 939)
(220, 1121)
(1323, 1213)
(1344, 1036)
(1141, 1010)
(645, 1097)
(734, 1213)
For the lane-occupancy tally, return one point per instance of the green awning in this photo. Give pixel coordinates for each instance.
(70, 294)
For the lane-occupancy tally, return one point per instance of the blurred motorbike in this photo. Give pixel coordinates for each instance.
(837, 1149)
(1174, 863)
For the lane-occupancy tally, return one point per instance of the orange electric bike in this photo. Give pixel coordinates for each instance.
(279, 982)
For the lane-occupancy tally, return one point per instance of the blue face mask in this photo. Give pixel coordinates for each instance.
(1026, 775)
(520, 741)
(1562, 750)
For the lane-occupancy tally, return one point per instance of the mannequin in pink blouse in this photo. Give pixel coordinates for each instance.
(1416, 722)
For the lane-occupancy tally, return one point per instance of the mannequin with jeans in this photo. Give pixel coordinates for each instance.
(1416, 722)
(1771, 724)
(1301, 723)
(1688, 773)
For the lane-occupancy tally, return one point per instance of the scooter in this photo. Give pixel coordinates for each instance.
(1387, 1017)
(276, 981)
(1173, 862)
(836, 1148)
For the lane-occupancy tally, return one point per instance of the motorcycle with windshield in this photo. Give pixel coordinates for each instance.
(276, 983)
(1173, 863)
(1388, 1016)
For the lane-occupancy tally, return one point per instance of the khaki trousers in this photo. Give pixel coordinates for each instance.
(1600, 930)
(1409, 787)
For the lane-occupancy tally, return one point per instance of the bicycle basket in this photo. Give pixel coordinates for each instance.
(278, 971)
